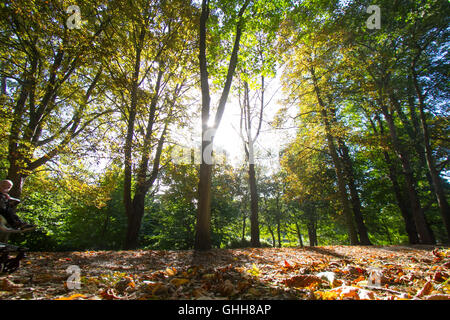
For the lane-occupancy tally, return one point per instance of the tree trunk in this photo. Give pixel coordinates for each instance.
(279, 230)
(424, 233)
(254, 224)
(404, 206)
(299, 234)
(438, 189)
(134, 219)
(353, 236)
(203, 228)
(244, 219)
(274, 242)
(354, 196)
(203, 233)
(312, 235)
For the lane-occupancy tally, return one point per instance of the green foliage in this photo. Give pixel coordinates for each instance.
(65, 109)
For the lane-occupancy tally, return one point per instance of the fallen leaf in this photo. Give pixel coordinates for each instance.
(72, 297)
(302, 281)
(227, 288)
(426, 290)
(171, 271)
(179, 281)
(254, 292)
(349, 292)
(254, 271)
(109, 294)
(440, 276)
(438, 297)
(8, 285)
(354, 293)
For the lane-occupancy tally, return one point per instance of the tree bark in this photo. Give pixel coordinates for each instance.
(354, 196)
(203, 226)
(299, 234)
(438, 189)
(353, 236)
(254, 224)
(403, 205)
(424, 233)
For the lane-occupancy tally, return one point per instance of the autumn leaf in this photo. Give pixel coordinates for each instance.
(438, 297)
(426, 290)
(109, 294)
(72, 297)
(171, 271)
(227, 288)
(354, 293)
(302, 281)
(254, 271)
(179, 281)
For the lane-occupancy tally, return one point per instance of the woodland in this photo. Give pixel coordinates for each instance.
(113, 114)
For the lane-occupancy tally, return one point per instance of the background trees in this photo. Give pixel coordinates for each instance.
(90, 116)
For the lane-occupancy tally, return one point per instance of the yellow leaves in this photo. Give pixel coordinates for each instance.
(179, 281)
(254, 271)
(346, 293)
(326, 295)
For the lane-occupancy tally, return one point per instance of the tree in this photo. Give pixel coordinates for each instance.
(389, 66)
(50, 81)
(149, 74)
(203, 237)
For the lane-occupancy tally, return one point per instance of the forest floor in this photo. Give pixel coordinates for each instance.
(309, 273)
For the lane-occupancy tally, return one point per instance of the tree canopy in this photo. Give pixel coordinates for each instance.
(96, 98)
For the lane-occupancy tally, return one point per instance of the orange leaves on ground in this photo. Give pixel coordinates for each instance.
(171, 271)
(77, 296)
(302, 281)
(328, 273)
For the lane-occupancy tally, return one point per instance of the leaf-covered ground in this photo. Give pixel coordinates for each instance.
(333, 272)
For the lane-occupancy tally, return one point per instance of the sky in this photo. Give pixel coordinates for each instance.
(270, 140)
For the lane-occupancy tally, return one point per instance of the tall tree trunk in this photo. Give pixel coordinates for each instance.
(278, 220)
(299, 234)
(353, 236)
(438, 189)
(134, 219)
(354, 196)
(249, 151)
(128, 161)
(244, 219)
(423, 230)
(203, 233)
(403, 204)
(312, 235)
(203, 226)
(254, 224)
